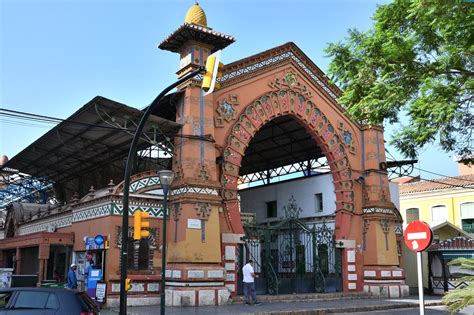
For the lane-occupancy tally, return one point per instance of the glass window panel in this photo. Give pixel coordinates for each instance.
(318, 202)
(467, 210)
(439, 214)
(52, 302)
(30, 299)
(413, 214)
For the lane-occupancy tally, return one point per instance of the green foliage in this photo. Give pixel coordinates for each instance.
(417, 61)
(460, 298)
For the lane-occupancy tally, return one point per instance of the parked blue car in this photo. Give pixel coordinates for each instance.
(46, 301)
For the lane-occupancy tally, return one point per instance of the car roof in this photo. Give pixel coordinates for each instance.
(55, 290)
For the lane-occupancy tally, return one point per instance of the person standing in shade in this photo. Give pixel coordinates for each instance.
(72, 278)
(249, 284)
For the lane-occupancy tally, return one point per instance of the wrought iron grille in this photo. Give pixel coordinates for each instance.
(293, 257)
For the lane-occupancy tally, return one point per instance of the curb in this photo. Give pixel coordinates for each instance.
(289, 298)
(371, 308)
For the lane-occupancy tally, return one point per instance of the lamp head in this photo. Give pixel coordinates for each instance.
(166, 177)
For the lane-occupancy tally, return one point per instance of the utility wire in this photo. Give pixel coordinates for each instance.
(53, 120)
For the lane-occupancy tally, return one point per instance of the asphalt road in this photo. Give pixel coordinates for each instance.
(433, 310)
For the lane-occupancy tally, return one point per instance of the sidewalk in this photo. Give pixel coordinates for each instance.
(287, 308)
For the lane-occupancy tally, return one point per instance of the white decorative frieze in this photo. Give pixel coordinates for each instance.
(195, 273)
(369, 273)
(385, 273)
(378, 210)
(137, 287)
(230, 266)
(352, 277)
(153, 287)
(215, 273)
(350, 256)
(230, 253)
(46, 225)
(397, 273)
(195, 190)
(115, 287)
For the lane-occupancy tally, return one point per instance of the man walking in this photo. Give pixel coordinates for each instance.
(249, 284)
(72, 278)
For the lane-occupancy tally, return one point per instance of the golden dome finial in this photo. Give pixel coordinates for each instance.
(196, 15)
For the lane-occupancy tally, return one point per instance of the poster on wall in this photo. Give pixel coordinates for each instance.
(5, 277)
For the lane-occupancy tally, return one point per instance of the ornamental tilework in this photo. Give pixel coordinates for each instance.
(144, 182)
(91, 213)
(44, 225)
(195, 190)
(154, 211)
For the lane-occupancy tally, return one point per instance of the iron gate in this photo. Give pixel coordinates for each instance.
(290, 256)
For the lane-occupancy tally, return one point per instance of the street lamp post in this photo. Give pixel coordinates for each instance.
(126, 184)
(166, 178)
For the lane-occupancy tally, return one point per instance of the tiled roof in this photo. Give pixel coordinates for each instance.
(446, 183)
(405, 180)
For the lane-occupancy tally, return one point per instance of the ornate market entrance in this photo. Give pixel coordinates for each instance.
(291, 256)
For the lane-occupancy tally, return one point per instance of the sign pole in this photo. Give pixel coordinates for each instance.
(418, 237)
(420, 283)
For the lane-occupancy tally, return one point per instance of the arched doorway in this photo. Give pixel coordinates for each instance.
(282, 133)
(302, 122)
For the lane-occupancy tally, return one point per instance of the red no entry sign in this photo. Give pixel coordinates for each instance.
(418, 236)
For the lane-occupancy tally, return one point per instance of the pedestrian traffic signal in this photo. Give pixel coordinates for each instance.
(128, 284)
(139, 225)
(213, 72)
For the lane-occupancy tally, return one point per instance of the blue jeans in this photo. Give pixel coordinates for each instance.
(249, 292)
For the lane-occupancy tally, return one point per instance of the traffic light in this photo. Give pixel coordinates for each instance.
(128, 284)
(139, 224)
(213, 71)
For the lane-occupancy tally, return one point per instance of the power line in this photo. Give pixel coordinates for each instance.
(53, 120)
(445, 176)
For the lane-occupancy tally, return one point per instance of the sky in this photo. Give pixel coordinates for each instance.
(56, 55)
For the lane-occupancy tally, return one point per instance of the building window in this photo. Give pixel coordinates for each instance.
(467, 216)
(272, 209)
(138, 254)
(413, 214)
(318, 202)
(439, 214)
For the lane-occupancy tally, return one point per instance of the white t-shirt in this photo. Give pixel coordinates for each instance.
(247, 270)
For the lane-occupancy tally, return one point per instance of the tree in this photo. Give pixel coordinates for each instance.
(460, 298)
(416, 61)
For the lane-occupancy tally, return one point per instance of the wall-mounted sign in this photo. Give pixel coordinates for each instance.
(94, 242)
(99, 240)
(194, 224)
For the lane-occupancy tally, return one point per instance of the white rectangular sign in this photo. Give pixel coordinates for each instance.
(417, 236)
(100, 292)
(194, 224)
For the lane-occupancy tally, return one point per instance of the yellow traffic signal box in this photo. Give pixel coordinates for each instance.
(128, 284)
(213, 72)
(139, 225)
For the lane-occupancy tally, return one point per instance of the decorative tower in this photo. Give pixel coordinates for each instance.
(381, 223)
(195, 275)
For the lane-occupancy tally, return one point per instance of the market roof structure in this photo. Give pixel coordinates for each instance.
(91, 145)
